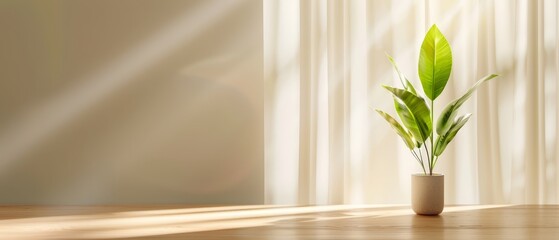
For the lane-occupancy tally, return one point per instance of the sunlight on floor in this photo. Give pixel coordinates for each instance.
(144, 223)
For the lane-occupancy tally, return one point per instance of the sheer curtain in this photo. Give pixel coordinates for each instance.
(325, 63)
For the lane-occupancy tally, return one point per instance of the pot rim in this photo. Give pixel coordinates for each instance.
(427, 175)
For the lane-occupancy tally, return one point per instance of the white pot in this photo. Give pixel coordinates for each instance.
(427, 193)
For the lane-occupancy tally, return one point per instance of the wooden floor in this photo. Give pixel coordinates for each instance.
(279, 222)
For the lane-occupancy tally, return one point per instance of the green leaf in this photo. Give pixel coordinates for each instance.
(405, 135)
(413, 112)
(444, 140)
(406, 84)
(449, 112)
(435, 63)
(409, 120)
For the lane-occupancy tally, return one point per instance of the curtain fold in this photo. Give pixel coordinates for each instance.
(324, 66)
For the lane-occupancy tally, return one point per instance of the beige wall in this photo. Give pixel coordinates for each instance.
(110, 102)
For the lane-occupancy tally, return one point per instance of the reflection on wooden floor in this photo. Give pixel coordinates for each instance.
(278, 222)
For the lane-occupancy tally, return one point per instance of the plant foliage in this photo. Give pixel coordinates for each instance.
(418, 129)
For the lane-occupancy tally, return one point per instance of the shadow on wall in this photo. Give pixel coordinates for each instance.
(158, 106)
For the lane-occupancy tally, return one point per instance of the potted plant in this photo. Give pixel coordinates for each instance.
(417, 128)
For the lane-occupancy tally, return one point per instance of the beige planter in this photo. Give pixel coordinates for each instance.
(427, 193)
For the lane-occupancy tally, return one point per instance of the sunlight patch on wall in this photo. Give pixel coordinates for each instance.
(37, 124)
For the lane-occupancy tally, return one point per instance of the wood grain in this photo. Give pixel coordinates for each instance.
(278, 222)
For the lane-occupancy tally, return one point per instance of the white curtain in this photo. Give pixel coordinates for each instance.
(325, 63)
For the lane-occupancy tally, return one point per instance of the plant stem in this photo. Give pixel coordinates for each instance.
(436, 159)
(422, 164)
(433, 130)
(419, 159)
(428, 157)
(415, 156)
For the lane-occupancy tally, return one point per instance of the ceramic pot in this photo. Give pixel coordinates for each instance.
(427, 193)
